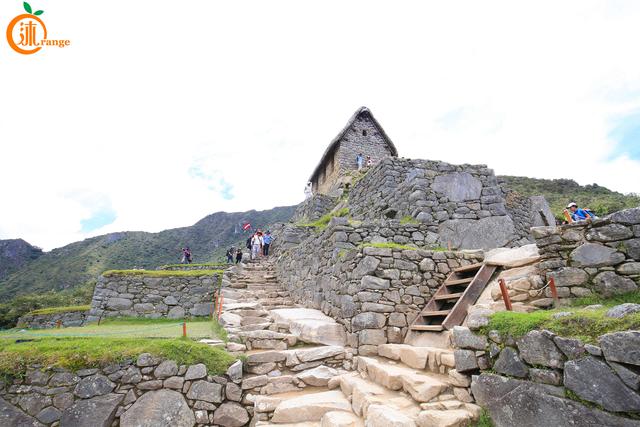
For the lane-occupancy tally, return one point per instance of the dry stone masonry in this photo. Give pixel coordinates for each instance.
(302, 369)
(374, 292)
(600, 257)
(52, 320)
(139, 295)
(463, 204)
(142, 392)
(529, 381)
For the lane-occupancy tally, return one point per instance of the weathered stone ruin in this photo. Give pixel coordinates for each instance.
(376, 314)
(362, 134)
(463, 205)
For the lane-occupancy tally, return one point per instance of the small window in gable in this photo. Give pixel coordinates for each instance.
(364, 132)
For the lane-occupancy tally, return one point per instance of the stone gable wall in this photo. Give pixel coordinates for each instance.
(529, 380)
(174, 297)
(602, 256)
(374, 292)
(463, 204)
(362, 137)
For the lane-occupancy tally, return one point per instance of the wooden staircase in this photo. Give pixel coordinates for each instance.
(448, 306)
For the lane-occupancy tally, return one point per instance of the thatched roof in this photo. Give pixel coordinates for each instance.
(362, 111)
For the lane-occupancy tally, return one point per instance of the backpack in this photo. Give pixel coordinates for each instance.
(249, 243)
(593, 216)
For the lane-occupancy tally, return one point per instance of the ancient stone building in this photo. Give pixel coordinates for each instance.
(362, 134)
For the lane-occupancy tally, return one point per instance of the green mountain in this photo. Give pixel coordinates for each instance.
(560, 192)
(80, 262)
(14, 254)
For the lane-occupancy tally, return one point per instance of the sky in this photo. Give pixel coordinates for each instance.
(162, 112)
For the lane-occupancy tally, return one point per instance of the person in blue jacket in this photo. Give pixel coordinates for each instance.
(578, 214)
(266, 242)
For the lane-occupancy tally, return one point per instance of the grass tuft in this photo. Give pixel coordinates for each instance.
(206, 264)
(322, 222)
(406, 220)
(485, 419)
(80, 353)
(162, 273)
(55, 310)
(585, 324)
(389, 245)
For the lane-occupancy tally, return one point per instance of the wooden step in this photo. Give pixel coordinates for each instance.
(430, 328)
(435, 313)
(461, 299)
(458, 281)
(448, 296)
(468, 268)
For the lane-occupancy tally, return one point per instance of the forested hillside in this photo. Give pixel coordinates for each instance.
(79, 262)
(559, 192)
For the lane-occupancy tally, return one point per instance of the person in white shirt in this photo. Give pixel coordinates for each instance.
(256, 244)
(308, 191)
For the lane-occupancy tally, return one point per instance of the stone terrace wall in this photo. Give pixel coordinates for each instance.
(602, 256)
(174, 297)
(374, 292)
(314, 207)
(527, 212)
(531, 377)
(42, 321)
(146, 391)
(192, 267)
(464, 204)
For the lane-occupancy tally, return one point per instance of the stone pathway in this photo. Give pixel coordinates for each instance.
(299, 372)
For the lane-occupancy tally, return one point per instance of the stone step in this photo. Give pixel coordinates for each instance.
(382, 407)
(363, 393)
(422, 386)
(266, 339)
(268, 423)
(310, 407)
(432, 359)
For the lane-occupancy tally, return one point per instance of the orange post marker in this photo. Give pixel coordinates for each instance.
(184, 329)
(554, 290)
(505, 295)
(58, 323)
(215, 304)
(220, 301)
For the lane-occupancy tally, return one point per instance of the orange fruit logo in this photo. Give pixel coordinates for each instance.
(27, 33)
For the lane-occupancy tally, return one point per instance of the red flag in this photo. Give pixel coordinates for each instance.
(246, 226)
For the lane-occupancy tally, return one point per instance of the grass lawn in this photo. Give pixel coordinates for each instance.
(79, 353)
(582, 323)
(162, 273)
(127, 328)
(55, 310)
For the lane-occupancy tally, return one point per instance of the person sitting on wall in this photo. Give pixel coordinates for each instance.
(578, 214)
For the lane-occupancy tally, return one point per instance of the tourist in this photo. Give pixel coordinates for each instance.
(256, 244)
(186, 255)
(230, 253)
(578, 214)
(238, 256)
(360, 161)
(369, 161)
(266, 242)
(308, 191)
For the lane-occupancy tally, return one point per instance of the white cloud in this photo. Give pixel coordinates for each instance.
(252, 93)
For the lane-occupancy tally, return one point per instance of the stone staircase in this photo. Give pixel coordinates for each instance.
(298, 371)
